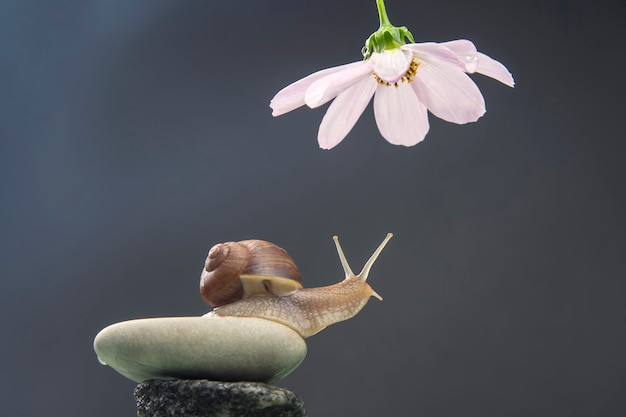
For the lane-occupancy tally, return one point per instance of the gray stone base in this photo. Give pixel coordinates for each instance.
(203, 398)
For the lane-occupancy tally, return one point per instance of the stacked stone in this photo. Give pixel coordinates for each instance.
(204, 398)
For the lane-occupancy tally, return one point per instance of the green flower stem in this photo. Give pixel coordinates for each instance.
(382, 14)
(387, 36)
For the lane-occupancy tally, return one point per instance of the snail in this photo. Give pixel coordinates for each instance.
(255, 278)
(261, 316)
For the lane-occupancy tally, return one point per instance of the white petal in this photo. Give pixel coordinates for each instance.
(460, 47)
(429, 50)
(465, 51)
(327, 88)
(448, 92)
(292, 96)
(478, 62)
(391, 65)
(344, 112)
(494, 69)
(400, 116)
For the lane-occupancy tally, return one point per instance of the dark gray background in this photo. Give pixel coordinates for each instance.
(136, 134)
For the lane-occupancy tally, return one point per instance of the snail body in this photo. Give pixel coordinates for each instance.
(306, 310)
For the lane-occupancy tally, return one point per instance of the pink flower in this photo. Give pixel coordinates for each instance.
(405, 81)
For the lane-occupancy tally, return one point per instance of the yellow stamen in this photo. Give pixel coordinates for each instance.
(408, 76)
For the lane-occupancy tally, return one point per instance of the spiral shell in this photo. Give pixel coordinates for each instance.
(237, 270)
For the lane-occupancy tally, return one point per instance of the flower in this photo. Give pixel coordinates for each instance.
(406, 80)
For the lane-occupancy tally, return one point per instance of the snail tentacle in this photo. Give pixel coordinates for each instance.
(368, 265)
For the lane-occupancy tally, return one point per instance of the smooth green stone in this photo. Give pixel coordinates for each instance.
(216, 348)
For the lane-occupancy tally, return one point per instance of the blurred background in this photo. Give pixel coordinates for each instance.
(135, 135)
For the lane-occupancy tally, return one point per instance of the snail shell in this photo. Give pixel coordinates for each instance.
(236, 270)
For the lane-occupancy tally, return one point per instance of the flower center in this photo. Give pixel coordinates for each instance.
(408, 76)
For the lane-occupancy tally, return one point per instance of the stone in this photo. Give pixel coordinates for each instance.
(203, 398)
(215, 348)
